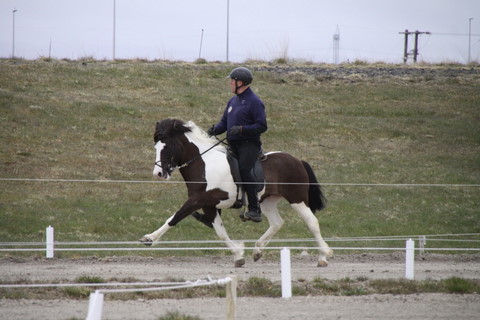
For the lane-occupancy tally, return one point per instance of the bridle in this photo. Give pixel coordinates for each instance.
(185, 164)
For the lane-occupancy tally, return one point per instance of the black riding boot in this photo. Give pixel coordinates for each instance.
(254, 213)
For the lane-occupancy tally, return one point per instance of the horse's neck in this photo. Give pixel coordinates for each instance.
(196, 170)
(202, 144)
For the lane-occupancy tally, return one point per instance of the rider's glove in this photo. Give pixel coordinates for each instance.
(211, 131)
(235, 130)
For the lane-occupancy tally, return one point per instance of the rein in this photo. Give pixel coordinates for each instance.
(201, 154)
(198, 156)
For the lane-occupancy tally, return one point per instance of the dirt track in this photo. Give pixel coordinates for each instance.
(371, 266)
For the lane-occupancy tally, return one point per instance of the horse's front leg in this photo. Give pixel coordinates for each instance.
(188, 208)
(149, 239)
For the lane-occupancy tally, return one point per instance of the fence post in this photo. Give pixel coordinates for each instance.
(95, 306)
(422, 242)
(409, 259)
(50, 242)
(286, 273)
(231, 295)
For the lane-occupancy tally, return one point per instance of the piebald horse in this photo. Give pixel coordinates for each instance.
(204, 167)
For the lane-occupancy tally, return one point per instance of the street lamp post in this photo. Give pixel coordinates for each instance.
(469, 37)
(228, 24)
(13, 33)
(201, 42)
(114, 26)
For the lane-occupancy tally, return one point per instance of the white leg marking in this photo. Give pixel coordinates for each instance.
(154, 236)
(236, 247)
(312, 222)
(269, 209)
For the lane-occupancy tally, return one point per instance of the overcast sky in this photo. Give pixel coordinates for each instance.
(259, 29)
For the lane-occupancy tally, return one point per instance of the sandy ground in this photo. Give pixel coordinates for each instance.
(371, 266)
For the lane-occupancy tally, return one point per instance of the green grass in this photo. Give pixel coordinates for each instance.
(65, 120)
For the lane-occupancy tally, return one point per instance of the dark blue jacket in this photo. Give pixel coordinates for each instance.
(246, 110)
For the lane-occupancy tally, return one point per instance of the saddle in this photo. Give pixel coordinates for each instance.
(257, 173)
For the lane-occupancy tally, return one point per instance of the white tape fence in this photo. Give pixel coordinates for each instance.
(50, 246)
(95, 306)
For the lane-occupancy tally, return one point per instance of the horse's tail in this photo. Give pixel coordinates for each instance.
(316, 199)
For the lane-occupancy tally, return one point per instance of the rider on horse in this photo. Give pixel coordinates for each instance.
(244, 120)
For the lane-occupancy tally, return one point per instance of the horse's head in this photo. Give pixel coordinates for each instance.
(168, 146)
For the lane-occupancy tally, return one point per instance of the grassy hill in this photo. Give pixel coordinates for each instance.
(368, 124)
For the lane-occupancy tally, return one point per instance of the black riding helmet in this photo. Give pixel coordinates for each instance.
(241, 74)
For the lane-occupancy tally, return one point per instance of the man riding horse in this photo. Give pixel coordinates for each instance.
(244, 120)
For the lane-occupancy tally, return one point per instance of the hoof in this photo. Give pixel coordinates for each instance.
(257, 256)
(146, 241)
(239, 263)
(322, 264)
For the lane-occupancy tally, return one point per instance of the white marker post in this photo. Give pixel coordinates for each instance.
(50, 242)
(286, 273)
(231, 295)
(95, 306)
(409, 259)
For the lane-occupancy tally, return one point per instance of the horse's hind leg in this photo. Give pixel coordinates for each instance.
(237, 248)
(269, 209)
(306, 214)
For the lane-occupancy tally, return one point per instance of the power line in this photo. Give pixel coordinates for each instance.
(454, 34)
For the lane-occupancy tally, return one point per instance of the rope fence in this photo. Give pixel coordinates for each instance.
(95, 306)
(50, 246)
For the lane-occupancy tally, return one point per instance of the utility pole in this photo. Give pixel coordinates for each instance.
(469, 37)
(415, 49)
(405, 48)
(13, 33)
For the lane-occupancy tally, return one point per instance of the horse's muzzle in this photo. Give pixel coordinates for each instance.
(161, 175)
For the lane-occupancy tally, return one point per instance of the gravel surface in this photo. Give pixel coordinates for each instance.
(421, 306)
(371, 266)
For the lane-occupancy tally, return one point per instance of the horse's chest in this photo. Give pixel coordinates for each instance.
(218, 176)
